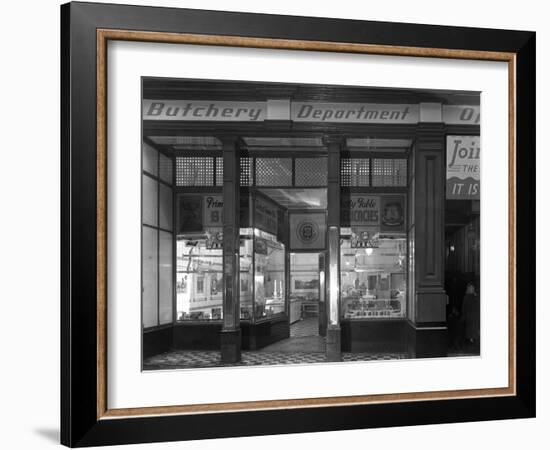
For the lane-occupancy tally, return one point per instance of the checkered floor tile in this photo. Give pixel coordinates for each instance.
(183, 359)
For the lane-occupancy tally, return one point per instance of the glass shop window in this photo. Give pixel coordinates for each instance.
(199, 278)
(373, 277)
(269, 275)
(157, 234)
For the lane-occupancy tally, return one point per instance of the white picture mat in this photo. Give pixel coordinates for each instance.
(129, 387)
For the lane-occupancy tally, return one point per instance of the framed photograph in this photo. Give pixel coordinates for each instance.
(276, 224)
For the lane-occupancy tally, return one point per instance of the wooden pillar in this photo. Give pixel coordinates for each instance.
(231, 331)
(429, 241)
(332, 278)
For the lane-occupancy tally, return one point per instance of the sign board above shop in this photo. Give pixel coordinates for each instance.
(228, 111)
(463, 178)
(353, 113)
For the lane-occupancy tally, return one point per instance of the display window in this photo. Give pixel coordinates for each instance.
(269, 275)
(246, 274)
(199, 279)
(157, 238)
(373, 279)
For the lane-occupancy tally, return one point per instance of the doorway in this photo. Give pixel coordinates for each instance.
(306, 294)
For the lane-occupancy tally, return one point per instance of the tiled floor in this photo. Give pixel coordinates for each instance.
(305, 327)
(304, 346)
(184, 359)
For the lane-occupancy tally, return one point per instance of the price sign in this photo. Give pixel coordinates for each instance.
(213, 211)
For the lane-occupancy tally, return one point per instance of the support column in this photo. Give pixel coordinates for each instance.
(322, 296)
(430, 334)
(231, 331)
(333, 337)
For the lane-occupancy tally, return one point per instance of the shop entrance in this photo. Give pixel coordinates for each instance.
(307, 305)
(304, 237)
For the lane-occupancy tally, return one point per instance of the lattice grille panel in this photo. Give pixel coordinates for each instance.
(389, 172)
(354, 172)
(273, 171)
(246, 171)
(219, 171)
(311, 172)
(195, 171)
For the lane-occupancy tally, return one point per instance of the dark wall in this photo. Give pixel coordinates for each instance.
(207, 336)
(157, 341)
(377, 336)
(197, 336)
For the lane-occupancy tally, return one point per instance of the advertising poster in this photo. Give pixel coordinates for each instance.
(463, 167)
(392, 214)
(265, 216)
(213, 211)
(358, 210)
(189, 213)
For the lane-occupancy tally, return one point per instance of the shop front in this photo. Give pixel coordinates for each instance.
(271, 211)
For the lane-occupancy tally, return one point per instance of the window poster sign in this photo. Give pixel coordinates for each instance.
(364, 238)
(368, 215)
(307, 231)
(392, 217)
(265, 216)
(463, 167)
(360, 210)
(214, 239)
(189, 213)
(213, 211)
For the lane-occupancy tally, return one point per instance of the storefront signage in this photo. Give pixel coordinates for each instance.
(461, 115)
(463, 179)
(213, 211)
(307, 231)
(204, 110)
(226, 111)
(353, 112)
(265, 216)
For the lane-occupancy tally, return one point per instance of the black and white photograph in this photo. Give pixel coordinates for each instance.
(304, 224)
